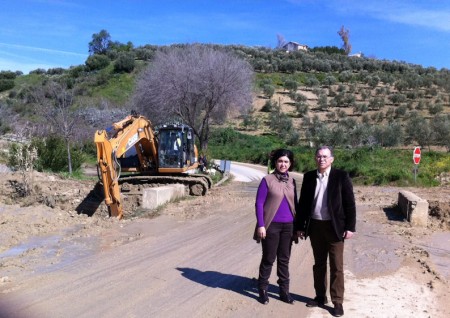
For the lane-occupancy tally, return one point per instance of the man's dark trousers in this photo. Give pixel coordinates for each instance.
(324, 243)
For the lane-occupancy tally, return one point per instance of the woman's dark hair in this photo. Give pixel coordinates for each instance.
(276, 154)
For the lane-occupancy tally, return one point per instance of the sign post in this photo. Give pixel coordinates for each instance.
(416, 159)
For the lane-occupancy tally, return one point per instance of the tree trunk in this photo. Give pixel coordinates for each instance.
(204, 136)
(69, 158)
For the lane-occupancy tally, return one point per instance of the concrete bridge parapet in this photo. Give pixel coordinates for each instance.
(155, 197)
(414, 208)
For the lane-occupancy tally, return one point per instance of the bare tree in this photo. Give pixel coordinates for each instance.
(195, 84)
(58, 109)
(280, 41)
(345, 36)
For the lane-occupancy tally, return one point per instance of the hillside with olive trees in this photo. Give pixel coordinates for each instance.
(304, 97)
(351, 109)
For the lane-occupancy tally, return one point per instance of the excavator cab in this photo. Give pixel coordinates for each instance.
(176, 148)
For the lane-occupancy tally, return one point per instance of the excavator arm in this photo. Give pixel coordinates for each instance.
(109, 173)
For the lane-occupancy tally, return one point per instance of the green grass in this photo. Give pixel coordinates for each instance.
(118, 88)
(228, 144)
(366, 166)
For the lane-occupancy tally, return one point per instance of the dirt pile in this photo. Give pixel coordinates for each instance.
(439, 213)
(54, 205)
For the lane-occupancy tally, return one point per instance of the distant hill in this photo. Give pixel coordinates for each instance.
(320, 95)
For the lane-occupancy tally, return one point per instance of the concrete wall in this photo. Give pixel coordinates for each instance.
(154, 197)
(415, 209)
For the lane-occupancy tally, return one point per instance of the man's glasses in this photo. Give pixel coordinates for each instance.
(322, 157)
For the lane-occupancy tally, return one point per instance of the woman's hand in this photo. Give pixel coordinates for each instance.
(262, 232)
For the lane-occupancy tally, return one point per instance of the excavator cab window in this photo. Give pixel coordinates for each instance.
(171, 148)
(190, 152)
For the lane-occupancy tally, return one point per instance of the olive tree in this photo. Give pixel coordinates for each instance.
(440, 125)
(195, 84)
(418, 130)
(268, 90)
(388, 136)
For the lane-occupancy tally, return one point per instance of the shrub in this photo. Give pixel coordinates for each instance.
(144, 54)
(52, 154)
(302, 108)
(291, 85)
(77, 71)
(329, 80)
(436, 108)
(4, 127)
(55, 71)
(280, 122)
(124, 63)
(249, 122)
(8, 75)
(268, 106)
(97, 62)
(397, 98)
(38, 71)
(6, 84)
(345, 76)
(22, 157)
(311, 81)
(268, 90)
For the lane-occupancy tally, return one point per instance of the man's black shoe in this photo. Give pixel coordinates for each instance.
(338, 310)
(286, 297)
(317, 301)
(263, 297)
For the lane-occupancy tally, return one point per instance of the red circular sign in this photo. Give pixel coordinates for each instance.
(416, 155)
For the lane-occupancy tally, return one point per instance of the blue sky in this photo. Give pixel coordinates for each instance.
(55, 33)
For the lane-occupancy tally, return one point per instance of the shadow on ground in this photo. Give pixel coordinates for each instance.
(393, 214)
(238, 284)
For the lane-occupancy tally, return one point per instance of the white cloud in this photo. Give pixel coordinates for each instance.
(23, 58)
(39, 49)
(406, 12)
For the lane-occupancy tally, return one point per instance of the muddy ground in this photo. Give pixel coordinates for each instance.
(392, 269)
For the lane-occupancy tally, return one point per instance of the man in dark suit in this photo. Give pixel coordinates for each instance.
(327, 214)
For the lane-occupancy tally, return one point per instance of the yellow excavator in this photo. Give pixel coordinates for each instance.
(132, 153)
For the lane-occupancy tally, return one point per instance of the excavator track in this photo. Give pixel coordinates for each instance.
(198, 184)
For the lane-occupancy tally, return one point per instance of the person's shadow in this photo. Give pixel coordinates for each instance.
(238, 284)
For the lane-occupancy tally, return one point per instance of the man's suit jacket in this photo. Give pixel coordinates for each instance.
(341, 202)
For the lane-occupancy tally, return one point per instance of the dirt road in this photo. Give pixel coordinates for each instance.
(197, 259)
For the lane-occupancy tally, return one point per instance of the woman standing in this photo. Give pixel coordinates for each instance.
(275, 210)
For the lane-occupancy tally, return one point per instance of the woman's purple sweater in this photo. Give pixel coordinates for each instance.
(283, 215)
